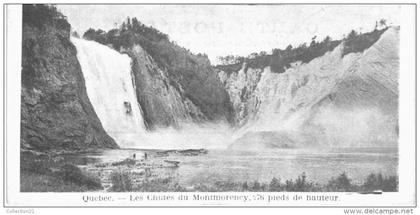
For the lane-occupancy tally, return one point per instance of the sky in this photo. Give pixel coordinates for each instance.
(220, 30)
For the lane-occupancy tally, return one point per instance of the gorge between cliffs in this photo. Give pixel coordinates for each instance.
(130, 110)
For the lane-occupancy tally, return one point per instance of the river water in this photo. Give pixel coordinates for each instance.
(222, 165)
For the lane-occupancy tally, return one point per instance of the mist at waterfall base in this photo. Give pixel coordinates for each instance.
(111, 90)
(321, 129)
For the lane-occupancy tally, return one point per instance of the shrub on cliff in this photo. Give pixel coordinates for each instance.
(355, 42)
(281, 59)
(192, 75)
(39, 15)
(156, 43)
(129, 33)
(96, 35)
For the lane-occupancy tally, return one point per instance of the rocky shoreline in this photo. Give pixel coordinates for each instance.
(140, 167)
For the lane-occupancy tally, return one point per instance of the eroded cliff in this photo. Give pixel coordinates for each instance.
(55, 110)
(335, 100)
(173, 85)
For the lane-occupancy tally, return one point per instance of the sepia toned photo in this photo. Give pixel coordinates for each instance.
(214, 101)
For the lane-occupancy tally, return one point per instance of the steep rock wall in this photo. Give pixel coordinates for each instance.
(55, 110)
(173, 85)
(330, 100)
(162, 99)
(186, 91)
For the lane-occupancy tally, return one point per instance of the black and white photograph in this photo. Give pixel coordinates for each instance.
(215, 101)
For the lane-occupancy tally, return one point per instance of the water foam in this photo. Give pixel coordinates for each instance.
(111, 91)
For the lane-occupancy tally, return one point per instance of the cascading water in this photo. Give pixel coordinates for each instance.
(111, 91)
(108, 80)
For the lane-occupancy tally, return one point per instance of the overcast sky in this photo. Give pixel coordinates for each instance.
(219, 30)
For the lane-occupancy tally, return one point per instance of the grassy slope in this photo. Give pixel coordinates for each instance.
(51, 173)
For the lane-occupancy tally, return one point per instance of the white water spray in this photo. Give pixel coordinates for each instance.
(111, 91)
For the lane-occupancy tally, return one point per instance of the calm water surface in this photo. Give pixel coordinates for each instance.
(318, 165)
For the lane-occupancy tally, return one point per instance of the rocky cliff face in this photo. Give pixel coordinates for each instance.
(184, 90)
(173, 85)
(335, 100)
(341, 96)
(55, 110)
(162, 99)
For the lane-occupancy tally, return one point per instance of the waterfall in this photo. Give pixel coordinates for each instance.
(111, 91)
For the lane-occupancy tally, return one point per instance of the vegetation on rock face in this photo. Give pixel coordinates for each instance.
(55, 110)
(57, 114)
(192, 75)
(156, 43)
(41, 15)
(131, 32)
(281, 59)
(356, 42)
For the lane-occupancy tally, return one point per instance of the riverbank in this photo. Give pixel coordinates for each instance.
(51, 172)
(158, 171)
